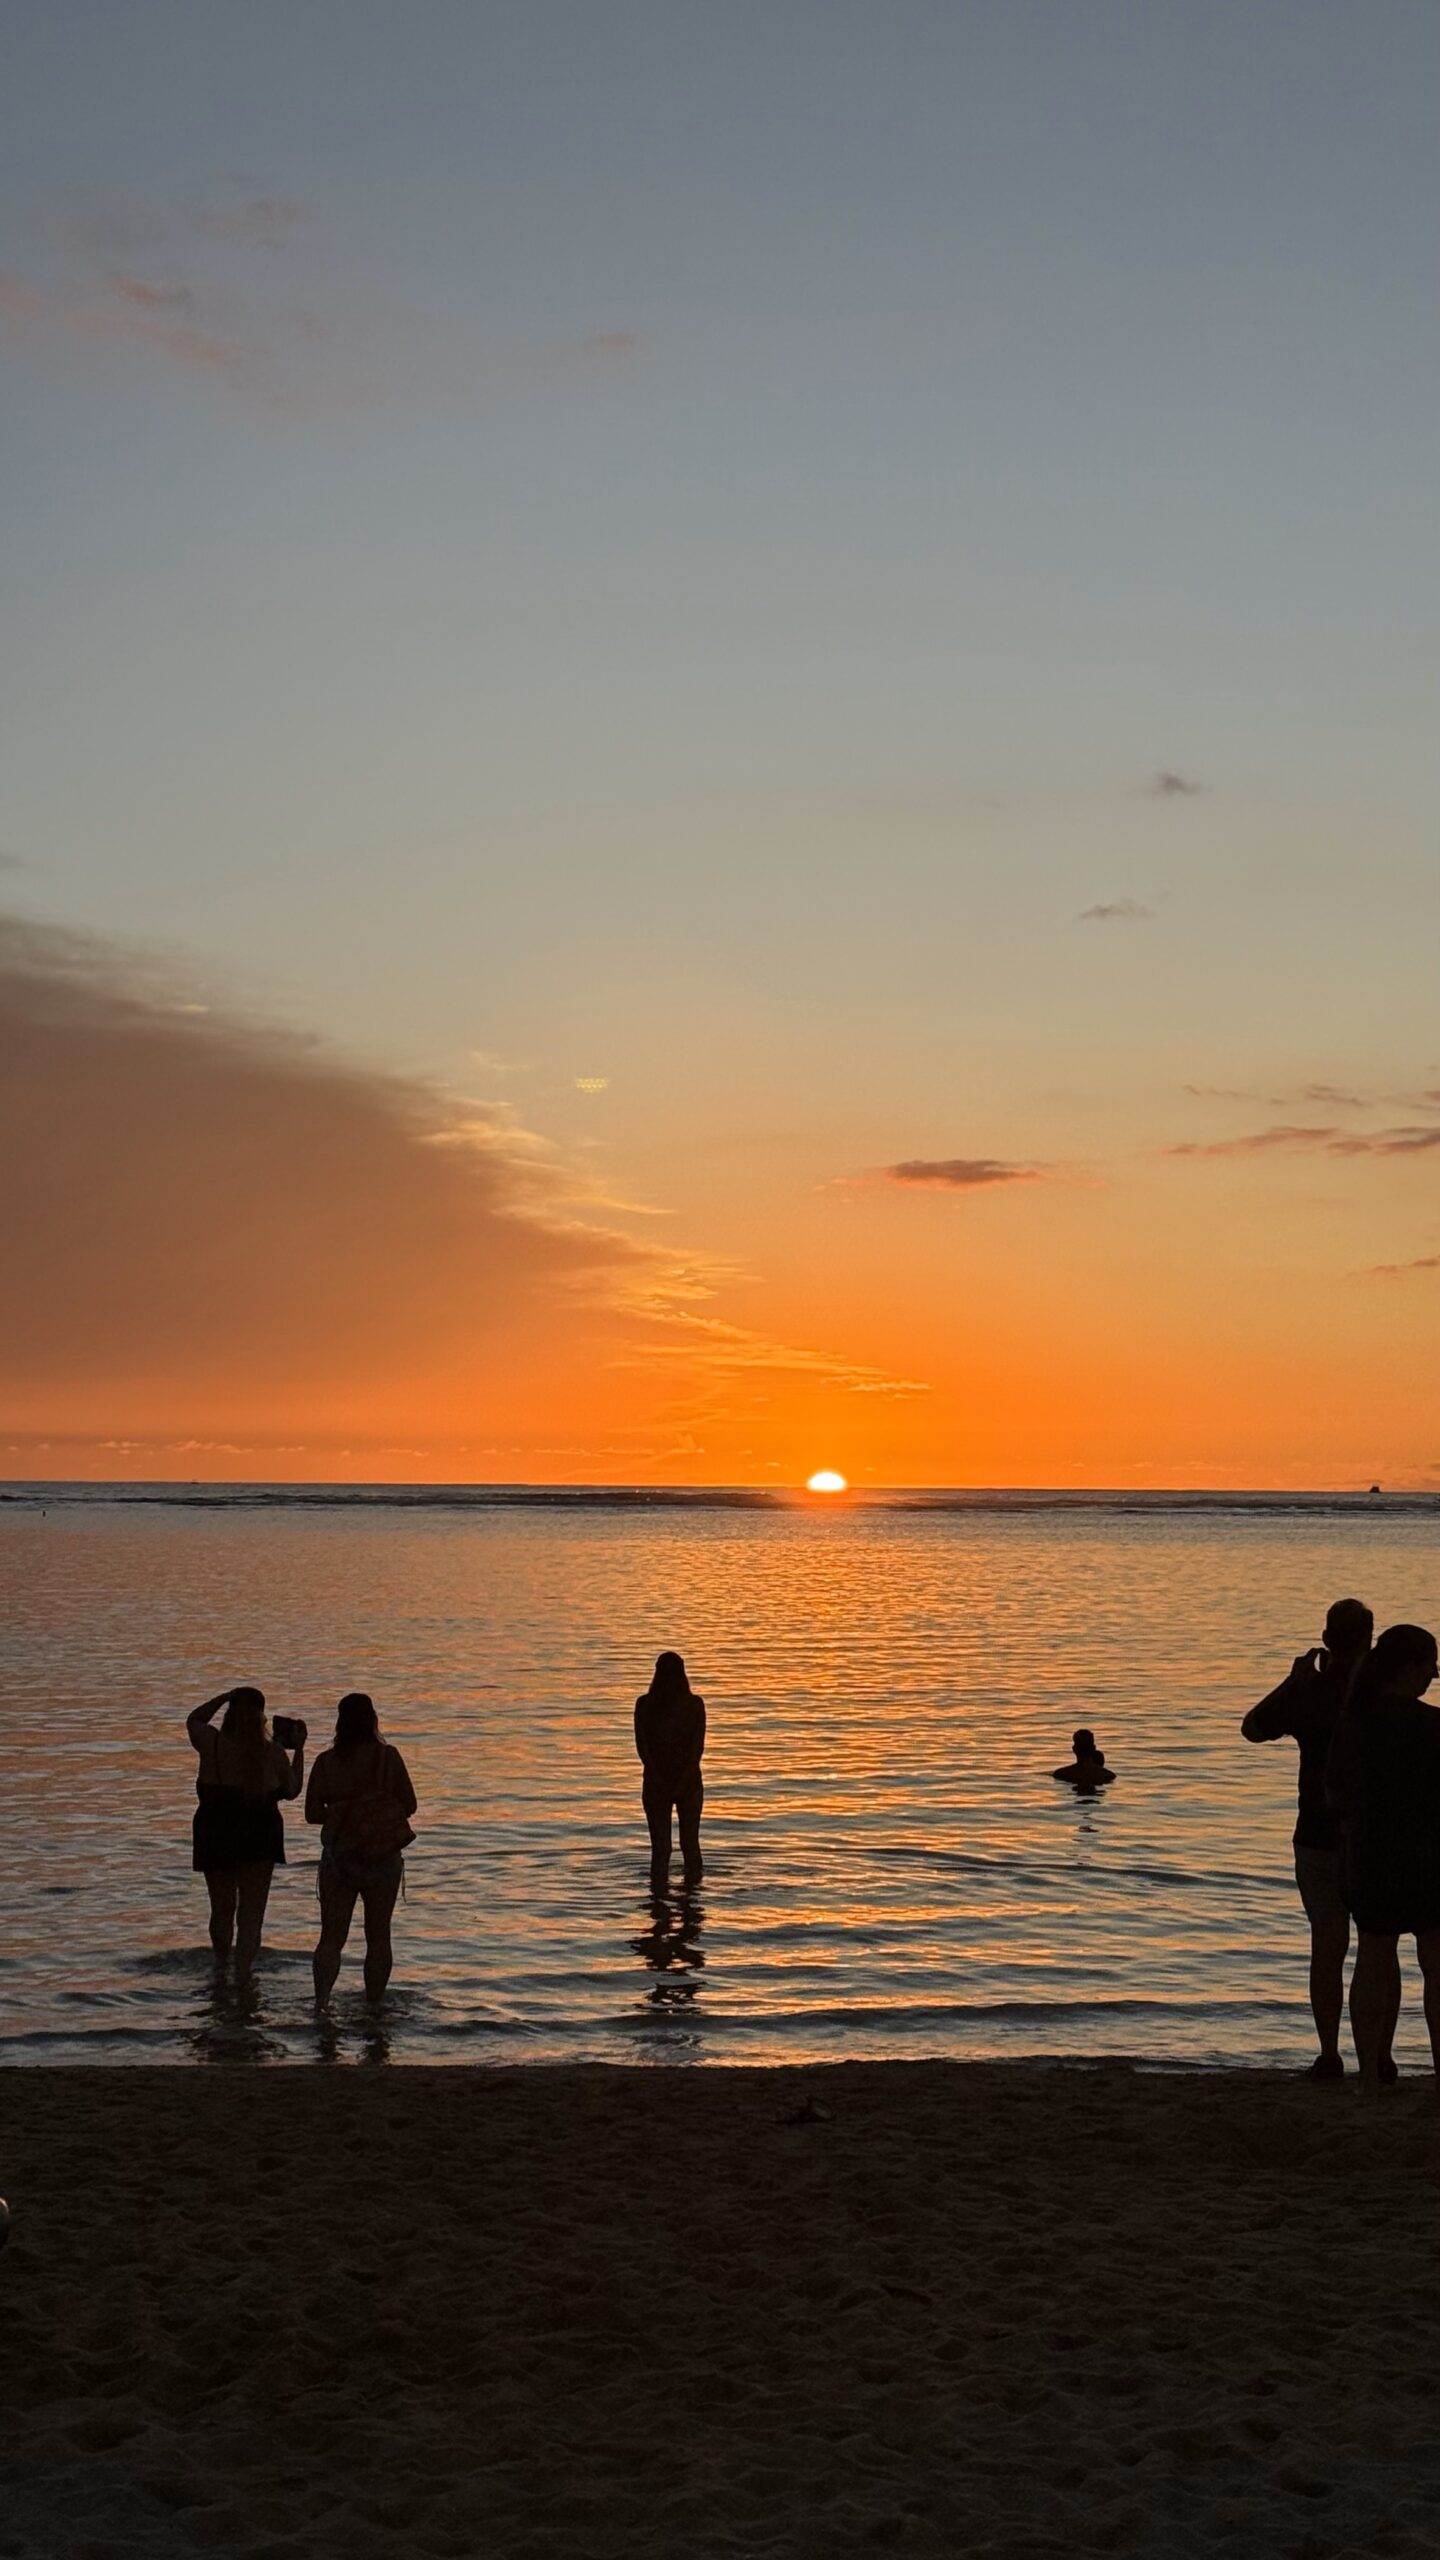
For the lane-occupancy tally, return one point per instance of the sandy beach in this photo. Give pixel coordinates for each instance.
(954, 2307)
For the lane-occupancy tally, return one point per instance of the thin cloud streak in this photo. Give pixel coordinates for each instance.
(723, 1350)
(958, 1173)
(1414, 1139)
(192, 287)
(1398, 1270)
(1117, 911)
(122, 226)
(1173, 786)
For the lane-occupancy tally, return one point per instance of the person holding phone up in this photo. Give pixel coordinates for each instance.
(1307, 1707)
(238, 1837)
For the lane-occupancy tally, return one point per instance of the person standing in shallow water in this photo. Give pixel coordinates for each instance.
(361, 1796)
(239, 1830)
(1307, 1707)
(1384, 1775)
(670, 1739)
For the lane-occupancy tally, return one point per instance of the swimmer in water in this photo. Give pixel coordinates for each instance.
(1087, 1770)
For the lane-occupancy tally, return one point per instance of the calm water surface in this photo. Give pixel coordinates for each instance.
(890, 1868)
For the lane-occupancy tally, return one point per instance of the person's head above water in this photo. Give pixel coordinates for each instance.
(671, 1679)
(1083, 1744)
(355, 1721)
(1349, 1626)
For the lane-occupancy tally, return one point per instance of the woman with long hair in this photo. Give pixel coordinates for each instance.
(361, 1796)
(670, 1741)
(1383, 1778)
(239, 1832)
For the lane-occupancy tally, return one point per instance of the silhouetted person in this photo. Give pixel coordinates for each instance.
(670, 1738)
(1384, 1776)
(239, 1831)
(1307, 1707)
(361, 1796)
(1087, 1770)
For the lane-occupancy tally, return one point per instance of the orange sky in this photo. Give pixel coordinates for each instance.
(235, 1254)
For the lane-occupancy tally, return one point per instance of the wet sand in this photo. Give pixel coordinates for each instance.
(1018, 2309)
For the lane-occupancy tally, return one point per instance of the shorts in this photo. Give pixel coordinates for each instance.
(375, 1884)
(1394, 1903)
(1320, 1875)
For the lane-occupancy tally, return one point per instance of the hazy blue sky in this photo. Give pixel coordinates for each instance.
(679, 543)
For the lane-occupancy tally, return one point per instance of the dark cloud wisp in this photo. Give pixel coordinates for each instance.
(1410, 1140)
(957, 1173)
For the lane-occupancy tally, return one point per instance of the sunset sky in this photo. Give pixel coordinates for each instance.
(719, 740)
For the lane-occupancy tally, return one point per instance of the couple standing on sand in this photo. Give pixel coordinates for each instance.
(359, 1796)
(1367, 1834)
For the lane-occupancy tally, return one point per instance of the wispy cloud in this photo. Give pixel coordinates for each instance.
(266, 355)
(1415, 1139)
(1412, 1141)
(1331, 1097)
(1117, 911)
(124, 226)
(713, 1347)
(956, 1173)
(1398, 1270)
(1173, 786)
(227, 291)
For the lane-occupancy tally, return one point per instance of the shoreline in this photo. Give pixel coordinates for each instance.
(1027, 2308)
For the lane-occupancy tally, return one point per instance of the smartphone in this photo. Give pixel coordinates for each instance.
(289, 1731)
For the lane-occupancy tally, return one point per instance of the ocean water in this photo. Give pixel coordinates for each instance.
(891, 1868)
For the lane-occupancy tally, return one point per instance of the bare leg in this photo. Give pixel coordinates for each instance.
(1329, 1945)
(337, 1906)
(657, 1815)
(1374, 2002)
(379, 1899)
(1427, 1947)
(221, 1885)
(1392, 2020)
(254, 1893)
(689, 1809)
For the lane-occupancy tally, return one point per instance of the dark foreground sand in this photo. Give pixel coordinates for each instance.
(982, 2308)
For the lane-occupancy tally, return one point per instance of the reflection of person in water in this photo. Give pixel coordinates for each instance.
(670, 1739)
(670, 1949)
(1087, 1770)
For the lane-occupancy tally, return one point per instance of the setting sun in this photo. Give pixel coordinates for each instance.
(826, 1481)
